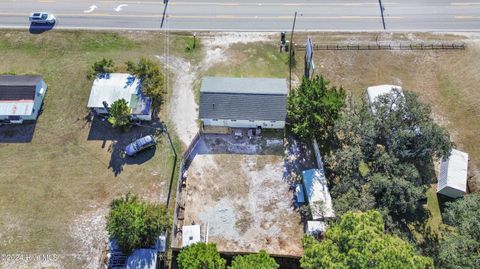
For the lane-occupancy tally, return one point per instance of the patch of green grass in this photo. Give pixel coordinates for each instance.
(448, 89)
(258, 60)
(107, 42)
(433, 207)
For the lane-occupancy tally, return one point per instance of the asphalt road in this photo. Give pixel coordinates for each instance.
(250, 15)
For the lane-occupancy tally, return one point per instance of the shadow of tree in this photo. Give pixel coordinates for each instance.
(101, 130)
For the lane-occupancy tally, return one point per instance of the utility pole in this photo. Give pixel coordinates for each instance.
(164, 12)
(291, 48)
(382, 9)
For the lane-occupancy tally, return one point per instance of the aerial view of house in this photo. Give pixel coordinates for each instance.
(108, 88)
(243, 102)
(21, 97)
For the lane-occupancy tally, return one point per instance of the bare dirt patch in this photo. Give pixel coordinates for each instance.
(247, 208)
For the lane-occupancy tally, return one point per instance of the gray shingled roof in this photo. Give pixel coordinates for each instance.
(243, 99)
(18, 87)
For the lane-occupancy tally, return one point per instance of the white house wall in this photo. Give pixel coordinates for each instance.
(244, 123)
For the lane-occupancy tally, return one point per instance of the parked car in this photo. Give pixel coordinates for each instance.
(140, 144)
(41, 18)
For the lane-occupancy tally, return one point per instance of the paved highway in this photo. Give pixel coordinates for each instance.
(250, 15)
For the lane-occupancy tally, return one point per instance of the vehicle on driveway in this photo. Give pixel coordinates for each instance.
(41, 18)
(140, 144)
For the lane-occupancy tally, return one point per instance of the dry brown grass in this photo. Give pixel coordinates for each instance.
(55, 190)
(447, 80)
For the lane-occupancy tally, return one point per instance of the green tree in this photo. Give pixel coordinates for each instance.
(460, 245)
(404, 126)
(200, 256)
(358, 241)
(149, 73)
(135, 223)
(313, 108)
(385, 155)
(104, 66)
(119, 113)
(258, 261)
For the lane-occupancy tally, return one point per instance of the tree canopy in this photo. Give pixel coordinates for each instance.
(135, 223)
(258, 261)
(149, 73)
(358, 241)
(460, 245)
(379, 158)
(104, 66)
(313, 108)
(119, 113)
(200, 256)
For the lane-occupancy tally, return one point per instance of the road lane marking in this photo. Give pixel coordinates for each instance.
(465, 3)
(91, 9)
(467, 17)
(119, 7)
(210, 16)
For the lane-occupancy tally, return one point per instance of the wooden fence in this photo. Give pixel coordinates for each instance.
(178, 193)
(397, 45)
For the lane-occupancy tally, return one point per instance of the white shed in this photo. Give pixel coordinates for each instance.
(452, 180)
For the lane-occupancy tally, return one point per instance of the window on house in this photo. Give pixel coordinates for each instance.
(251, 121)
(233, 120)
(215, 119)
(273, 121)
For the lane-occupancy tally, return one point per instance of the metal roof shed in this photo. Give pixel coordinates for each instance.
(317, 191)
(452, 180)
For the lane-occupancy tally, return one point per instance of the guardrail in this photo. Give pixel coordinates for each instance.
(391, 45)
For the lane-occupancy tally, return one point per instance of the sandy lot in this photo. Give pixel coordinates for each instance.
(241, 190)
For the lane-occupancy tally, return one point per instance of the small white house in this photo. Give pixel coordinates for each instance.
(243, 102)
(374, 92)
(108, 88)
(452, 180)
(21, 98)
